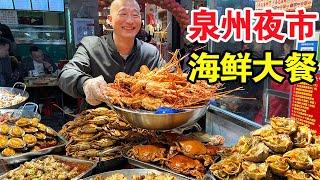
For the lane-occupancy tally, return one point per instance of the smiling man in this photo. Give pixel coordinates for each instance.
(99, 59)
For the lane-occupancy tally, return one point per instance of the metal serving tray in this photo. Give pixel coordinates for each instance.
(130, 172)
(69, 159)
(29, 155)
(23, 111)
(141, 164)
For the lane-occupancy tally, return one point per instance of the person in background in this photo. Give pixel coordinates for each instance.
(99, 59)
(143, 35)
(5, 32)
(278, 106)
(9, 65)
(38, 62)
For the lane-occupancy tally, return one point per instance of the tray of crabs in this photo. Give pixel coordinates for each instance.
(183, 156)
(25, 138)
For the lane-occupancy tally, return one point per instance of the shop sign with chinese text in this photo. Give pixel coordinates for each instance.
(305, 104)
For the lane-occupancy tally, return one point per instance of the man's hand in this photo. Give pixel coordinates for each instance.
(92, 90)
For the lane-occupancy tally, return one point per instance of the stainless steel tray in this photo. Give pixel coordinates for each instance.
(23, 112)
(141, 164)
(130, 172)
(64, 158)
(29, 155)
(16, 91)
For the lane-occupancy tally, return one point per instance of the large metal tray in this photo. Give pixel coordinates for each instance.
(16, 91)
(141, 164)
(29, 155)
(130, 172)
(23, 111)
(69, 159)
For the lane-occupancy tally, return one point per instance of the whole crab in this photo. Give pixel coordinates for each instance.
(185, 165)
(147, 153)
(194, 149)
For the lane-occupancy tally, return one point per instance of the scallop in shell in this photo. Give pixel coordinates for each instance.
(299, 159)
(16, 131)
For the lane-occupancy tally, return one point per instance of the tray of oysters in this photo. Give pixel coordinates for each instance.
(26, 138)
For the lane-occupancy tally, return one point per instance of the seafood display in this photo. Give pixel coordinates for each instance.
(25, 135)
(98, 134)
(49, 167)
(150, 176)
(281, 150)
(161, 87)
(181, 154)
(8, 99)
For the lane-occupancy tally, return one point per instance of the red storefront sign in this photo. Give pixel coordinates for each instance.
(305, 104)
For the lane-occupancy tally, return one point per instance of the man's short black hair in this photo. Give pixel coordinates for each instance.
(4, 41)
(34, 48)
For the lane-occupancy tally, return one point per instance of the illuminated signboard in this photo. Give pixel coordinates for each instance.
(40, 5)
(56, 5)
(6, 4)
(305, 104)
(22, 4)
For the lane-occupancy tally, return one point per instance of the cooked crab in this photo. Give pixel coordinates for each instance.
(42, 127)
(40, 136)
(226, 168)
(185, 165)
(4, 129)
(255, 170)
(283, 125)
(16, 131)
(30, 139)
(265, 131)
(34, 122)
(194, 149)
(86, 137)
(8, 152)
(89, 128)
(243, 145)
(16, 143)
(299, 159)
(279, 143)
(102, 143)
(278, 164)
(30, 129)
(297, 175)
(147, 153)
(316, 169)
(100, 120)
(258, 153)
(313, 150)
(80, 146)
(302, 137)
(22, 122)
(3, 141)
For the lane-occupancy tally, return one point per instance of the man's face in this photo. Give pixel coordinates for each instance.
(126, 19)
(37, 55)
(4, 50)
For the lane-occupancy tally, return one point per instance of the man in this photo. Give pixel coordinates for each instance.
(5, 32)
(9, 72)
(38, 62)
(99, 59)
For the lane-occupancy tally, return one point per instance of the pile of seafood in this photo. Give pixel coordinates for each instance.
(281, 150)
(5, 117)
(27, 134)
(48, 168)
(8, 99)
(161, 87)
(181, 154)
(151, 176)
(98, 134)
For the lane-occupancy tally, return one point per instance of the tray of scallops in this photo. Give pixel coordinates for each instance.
(51, 167)
(27, 137)
(181, 155)
(282, 149)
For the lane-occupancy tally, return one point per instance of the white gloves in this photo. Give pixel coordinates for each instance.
(92, 90)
